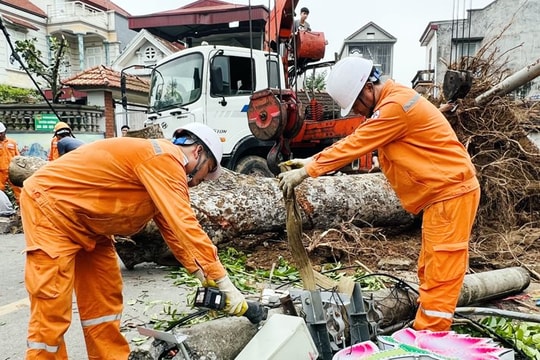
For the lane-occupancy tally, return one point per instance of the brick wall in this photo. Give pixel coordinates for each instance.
(109, 115)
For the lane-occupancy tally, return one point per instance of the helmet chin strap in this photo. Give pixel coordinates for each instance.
(370, 108)
(192, 174)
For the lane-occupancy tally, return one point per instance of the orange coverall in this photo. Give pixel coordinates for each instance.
(71, 209)
(430, 170)
(8, 150)
(53, 152)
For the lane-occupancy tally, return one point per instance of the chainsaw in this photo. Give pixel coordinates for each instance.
(169, 346)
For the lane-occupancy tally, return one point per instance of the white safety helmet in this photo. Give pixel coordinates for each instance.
(2, 127)
(210, 139)
(346, 81)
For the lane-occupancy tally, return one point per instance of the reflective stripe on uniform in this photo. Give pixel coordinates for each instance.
(439, 314)
(41, 346)
(100, 320)
(409, 104)
(156, 146)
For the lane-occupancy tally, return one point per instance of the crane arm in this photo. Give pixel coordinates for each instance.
(280, 23)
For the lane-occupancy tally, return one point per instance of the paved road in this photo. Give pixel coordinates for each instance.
(147, 291)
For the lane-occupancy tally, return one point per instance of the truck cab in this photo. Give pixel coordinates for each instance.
(213, 85)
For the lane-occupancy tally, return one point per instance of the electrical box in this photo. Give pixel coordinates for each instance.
(282, 337)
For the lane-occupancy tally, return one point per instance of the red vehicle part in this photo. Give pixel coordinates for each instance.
(310, 45)
(278, 115)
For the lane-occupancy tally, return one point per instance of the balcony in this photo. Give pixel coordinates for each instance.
(22, 117)
(424, 81)
(71, 15)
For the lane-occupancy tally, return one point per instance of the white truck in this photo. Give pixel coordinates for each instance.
(213, 85)
(247, 97)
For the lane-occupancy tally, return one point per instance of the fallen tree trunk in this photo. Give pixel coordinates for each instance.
(21, 167)
(238, 205)
(397, 305)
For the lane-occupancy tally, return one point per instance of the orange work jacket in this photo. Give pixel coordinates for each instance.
(114, 187)
(8, 150)
(419, 152)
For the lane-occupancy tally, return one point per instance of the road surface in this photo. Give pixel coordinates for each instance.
(148, 291)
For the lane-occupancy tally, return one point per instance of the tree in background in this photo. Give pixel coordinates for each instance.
(316, 81)
(33, 59)
(11, 94)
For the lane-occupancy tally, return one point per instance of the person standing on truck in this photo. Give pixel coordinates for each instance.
(424, 162)
(302, 24)
(8, 150)
(72, 208)
(124, 130)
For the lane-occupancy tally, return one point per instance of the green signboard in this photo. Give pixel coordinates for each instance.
(45, 122)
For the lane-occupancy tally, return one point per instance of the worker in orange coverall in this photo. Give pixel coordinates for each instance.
(424, 162)
(60, 126)
(72, 207)
(8, 150)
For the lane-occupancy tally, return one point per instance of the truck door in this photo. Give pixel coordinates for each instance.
(231, 85)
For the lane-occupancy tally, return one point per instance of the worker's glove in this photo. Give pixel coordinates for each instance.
(200, 276)
(288, 180)
(235, 303)
(294, 164)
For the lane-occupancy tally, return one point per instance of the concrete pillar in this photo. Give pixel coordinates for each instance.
(49, 53)
(106, 47)
(80, 39)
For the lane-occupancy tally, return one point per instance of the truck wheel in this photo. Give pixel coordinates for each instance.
(253, 165)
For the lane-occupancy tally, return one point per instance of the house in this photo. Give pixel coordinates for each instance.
(103, 86)
(374, 43)
(509, 26)
(143, 52)
(22, 20)
(96, 30)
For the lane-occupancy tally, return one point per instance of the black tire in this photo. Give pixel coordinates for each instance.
(253, 165)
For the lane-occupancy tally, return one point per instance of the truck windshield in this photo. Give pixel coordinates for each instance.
(176, 83)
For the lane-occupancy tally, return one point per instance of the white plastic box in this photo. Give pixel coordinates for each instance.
(282, 337)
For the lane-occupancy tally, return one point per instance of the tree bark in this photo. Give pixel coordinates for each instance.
(149, 132)
(21, 167)
(237, 205)
(398, 305)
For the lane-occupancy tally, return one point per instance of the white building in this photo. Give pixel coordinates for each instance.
(509, 26)
(96, 30)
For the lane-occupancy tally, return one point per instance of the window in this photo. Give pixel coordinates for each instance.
(465, 48)
(176, 83)
(93, 56)
(273, 74)
(378, 53)
(231, 75)
(150, 53)
(15, 35)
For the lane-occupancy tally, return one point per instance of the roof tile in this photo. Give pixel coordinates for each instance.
(104, 76)
(25, 5)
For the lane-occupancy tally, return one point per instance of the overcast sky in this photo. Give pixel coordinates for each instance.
(338, 19)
